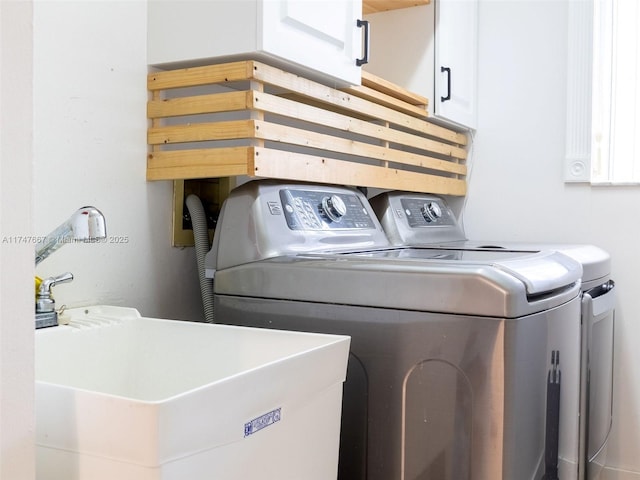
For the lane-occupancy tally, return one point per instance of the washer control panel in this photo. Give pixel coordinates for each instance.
(425, 212)
(263, 219)
(324, 210)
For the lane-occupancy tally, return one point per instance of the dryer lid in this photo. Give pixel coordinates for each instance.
(541, 271)
(596, 262)
(416, 219)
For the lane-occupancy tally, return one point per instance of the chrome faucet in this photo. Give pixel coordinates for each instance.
(85, 225)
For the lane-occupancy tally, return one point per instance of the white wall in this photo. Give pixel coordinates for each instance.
(73, 133)
(90, 149)
(517, 190)
(16, 254)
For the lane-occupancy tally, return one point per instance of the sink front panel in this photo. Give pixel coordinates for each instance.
(152, 396)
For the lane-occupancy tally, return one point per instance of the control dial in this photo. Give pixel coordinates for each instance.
(334, 207)
(431, 211)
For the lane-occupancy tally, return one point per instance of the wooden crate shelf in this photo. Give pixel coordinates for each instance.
(248, 118)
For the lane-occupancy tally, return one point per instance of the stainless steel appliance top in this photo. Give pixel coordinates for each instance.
(324, 244)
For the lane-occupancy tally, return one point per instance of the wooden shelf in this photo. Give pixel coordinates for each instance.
(375, 6)
(248, 118)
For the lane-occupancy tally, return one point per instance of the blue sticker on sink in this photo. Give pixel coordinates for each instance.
(262, 421)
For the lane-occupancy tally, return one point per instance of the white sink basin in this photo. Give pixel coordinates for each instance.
(126, 397)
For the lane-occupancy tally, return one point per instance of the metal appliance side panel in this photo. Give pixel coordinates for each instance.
(529, 343)
(598, 319)
(433, 394)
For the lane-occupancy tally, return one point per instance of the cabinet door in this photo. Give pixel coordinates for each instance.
(402, 49)
(319, 34)
(456, 57)
(317, 38)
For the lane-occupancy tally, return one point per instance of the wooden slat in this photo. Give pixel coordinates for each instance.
(261, 130)
(200, 163)
(291, 166)
(386, 100)
(264, 162)
(197, 104)
(380, 84)
(200, 132)
(308, 113)
(309, 139)
(327, 95)
(214, 74)
(375, 6)
(196, 76)
(272, 104)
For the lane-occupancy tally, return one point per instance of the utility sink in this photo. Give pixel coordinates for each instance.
(120, 396)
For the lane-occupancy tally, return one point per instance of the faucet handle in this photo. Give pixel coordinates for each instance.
(48, 283)
(44, 302)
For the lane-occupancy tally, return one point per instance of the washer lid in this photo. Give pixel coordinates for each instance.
(509, 287)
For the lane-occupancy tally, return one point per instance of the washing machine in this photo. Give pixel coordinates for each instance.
(453, 352)
(421, 220)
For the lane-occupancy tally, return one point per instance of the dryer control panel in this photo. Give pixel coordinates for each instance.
(321, 210)
(410, 218)
(424, 212)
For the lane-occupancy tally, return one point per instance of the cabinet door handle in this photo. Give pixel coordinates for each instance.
(448, 96)
(365, 58)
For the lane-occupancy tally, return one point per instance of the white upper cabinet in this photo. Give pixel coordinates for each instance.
(431, 50)
(456, 61)
(318, 38)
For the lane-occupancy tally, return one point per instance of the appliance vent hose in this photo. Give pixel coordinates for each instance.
(201, 241)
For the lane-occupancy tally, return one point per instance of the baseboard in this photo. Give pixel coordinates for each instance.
(617, 474)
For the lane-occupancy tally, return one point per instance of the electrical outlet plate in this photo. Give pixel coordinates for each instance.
(212, 192)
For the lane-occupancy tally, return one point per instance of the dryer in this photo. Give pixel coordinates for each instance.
(422, 220)
(451, 351)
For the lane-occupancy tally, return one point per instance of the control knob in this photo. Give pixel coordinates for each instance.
(431, 211)
(334, 207)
